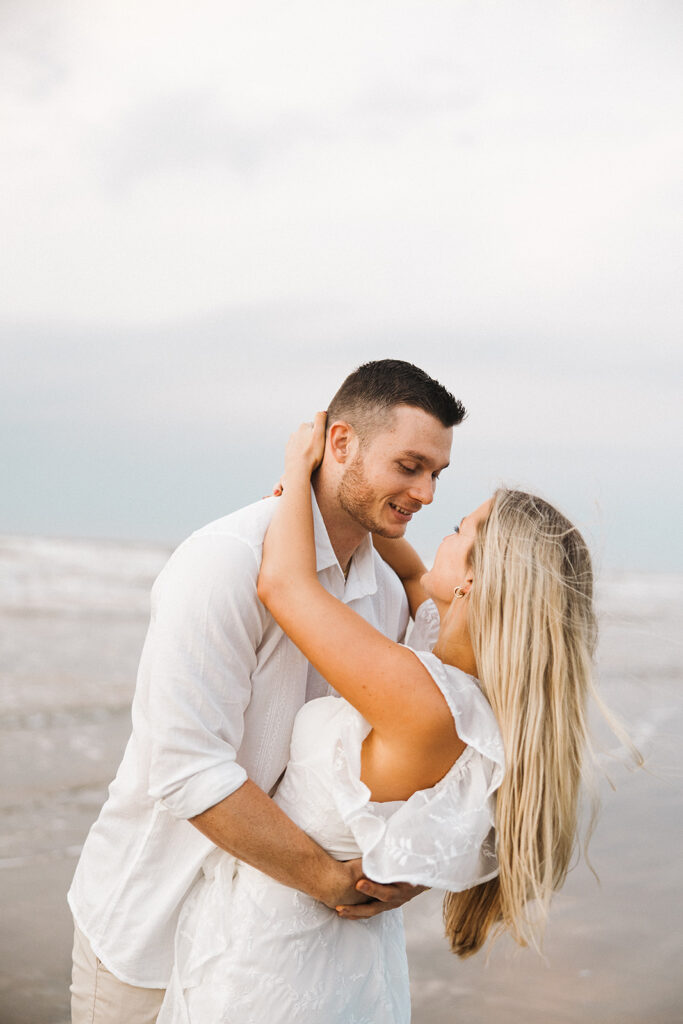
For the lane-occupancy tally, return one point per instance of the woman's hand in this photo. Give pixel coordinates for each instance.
(289, 566)
(305, 448)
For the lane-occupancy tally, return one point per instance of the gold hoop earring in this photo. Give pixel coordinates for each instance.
(458, 592)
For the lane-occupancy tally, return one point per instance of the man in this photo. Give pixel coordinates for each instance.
(219, 686)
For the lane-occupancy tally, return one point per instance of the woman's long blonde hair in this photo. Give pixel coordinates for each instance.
(533, 632)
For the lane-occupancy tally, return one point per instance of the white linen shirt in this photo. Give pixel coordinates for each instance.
(218, 688)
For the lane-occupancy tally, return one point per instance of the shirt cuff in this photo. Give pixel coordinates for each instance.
(204, 790)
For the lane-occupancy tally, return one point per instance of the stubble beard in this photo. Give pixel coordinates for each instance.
(356, 497)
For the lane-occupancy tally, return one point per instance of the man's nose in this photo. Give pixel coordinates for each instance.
(422, 490)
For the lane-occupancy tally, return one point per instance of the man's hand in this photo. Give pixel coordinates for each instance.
(379, 898)
(336, 885)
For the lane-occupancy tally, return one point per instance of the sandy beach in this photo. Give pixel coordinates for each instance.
(73, 617)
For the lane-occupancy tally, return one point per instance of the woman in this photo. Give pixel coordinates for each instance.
(458, 769)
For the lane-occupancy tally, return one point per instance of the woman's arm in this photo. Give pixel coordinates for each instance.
(408, 566)
(385, 681)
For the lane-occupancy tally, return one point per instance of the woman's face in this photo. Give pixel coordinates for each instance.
(452, 566)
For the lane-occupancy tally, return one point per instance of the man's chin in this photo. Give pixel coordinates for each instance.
(393, 532)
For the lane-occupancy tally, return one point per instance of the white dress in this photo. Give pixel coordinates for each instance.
(250, 951)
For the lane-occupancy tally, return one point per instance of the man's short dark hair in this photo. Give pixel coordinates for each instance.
(368, 395)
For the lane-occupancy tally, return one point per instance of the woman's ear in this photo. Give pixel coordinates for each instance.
(342, 441)
(469, 580)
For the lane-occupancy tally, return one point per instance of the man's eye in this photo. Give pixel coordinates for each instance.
(406, 469)
(456, 529)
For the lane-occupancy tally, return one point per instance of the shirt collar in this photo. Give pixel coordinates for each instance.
(362, 580)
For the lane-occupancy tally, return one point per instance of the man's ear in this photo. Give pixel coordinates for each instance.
(343, 441)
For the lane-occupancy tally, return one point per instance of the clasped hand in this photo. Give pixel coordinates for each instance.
(367, 898)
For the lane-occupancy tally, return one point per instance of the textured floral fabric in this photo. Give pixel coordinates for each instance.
(250, 950)
(424, 632)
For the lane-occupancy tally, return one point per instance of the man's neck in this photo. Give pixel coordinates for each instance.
(345, 533)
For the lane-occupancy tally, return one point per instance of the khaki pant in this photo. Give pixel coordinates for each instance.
(97, 997)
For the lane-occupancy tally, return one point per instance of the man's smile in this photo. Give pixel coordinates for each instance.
(404, 513)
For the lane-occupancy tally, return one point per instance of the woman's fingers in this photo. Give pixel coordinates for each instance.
(308, 443)
(319, 435)
(277, 490)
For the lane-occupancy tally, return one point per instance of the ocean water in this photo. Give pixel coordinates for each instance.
(73, 616)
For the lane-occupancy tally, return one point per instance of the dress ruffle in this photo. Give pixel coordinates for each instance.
(443, 837)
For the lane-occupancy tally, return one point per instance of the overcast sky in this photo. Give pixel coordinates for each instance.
(212, 212)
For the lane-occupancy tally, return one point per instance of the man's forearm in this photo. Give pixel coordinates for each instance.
(249, 825)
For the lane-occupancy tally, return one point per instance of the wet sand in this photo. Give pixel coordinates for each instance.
(72, 621)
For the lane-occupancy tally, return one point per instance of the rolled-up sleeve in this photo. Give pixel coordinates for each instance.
(199, 656)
